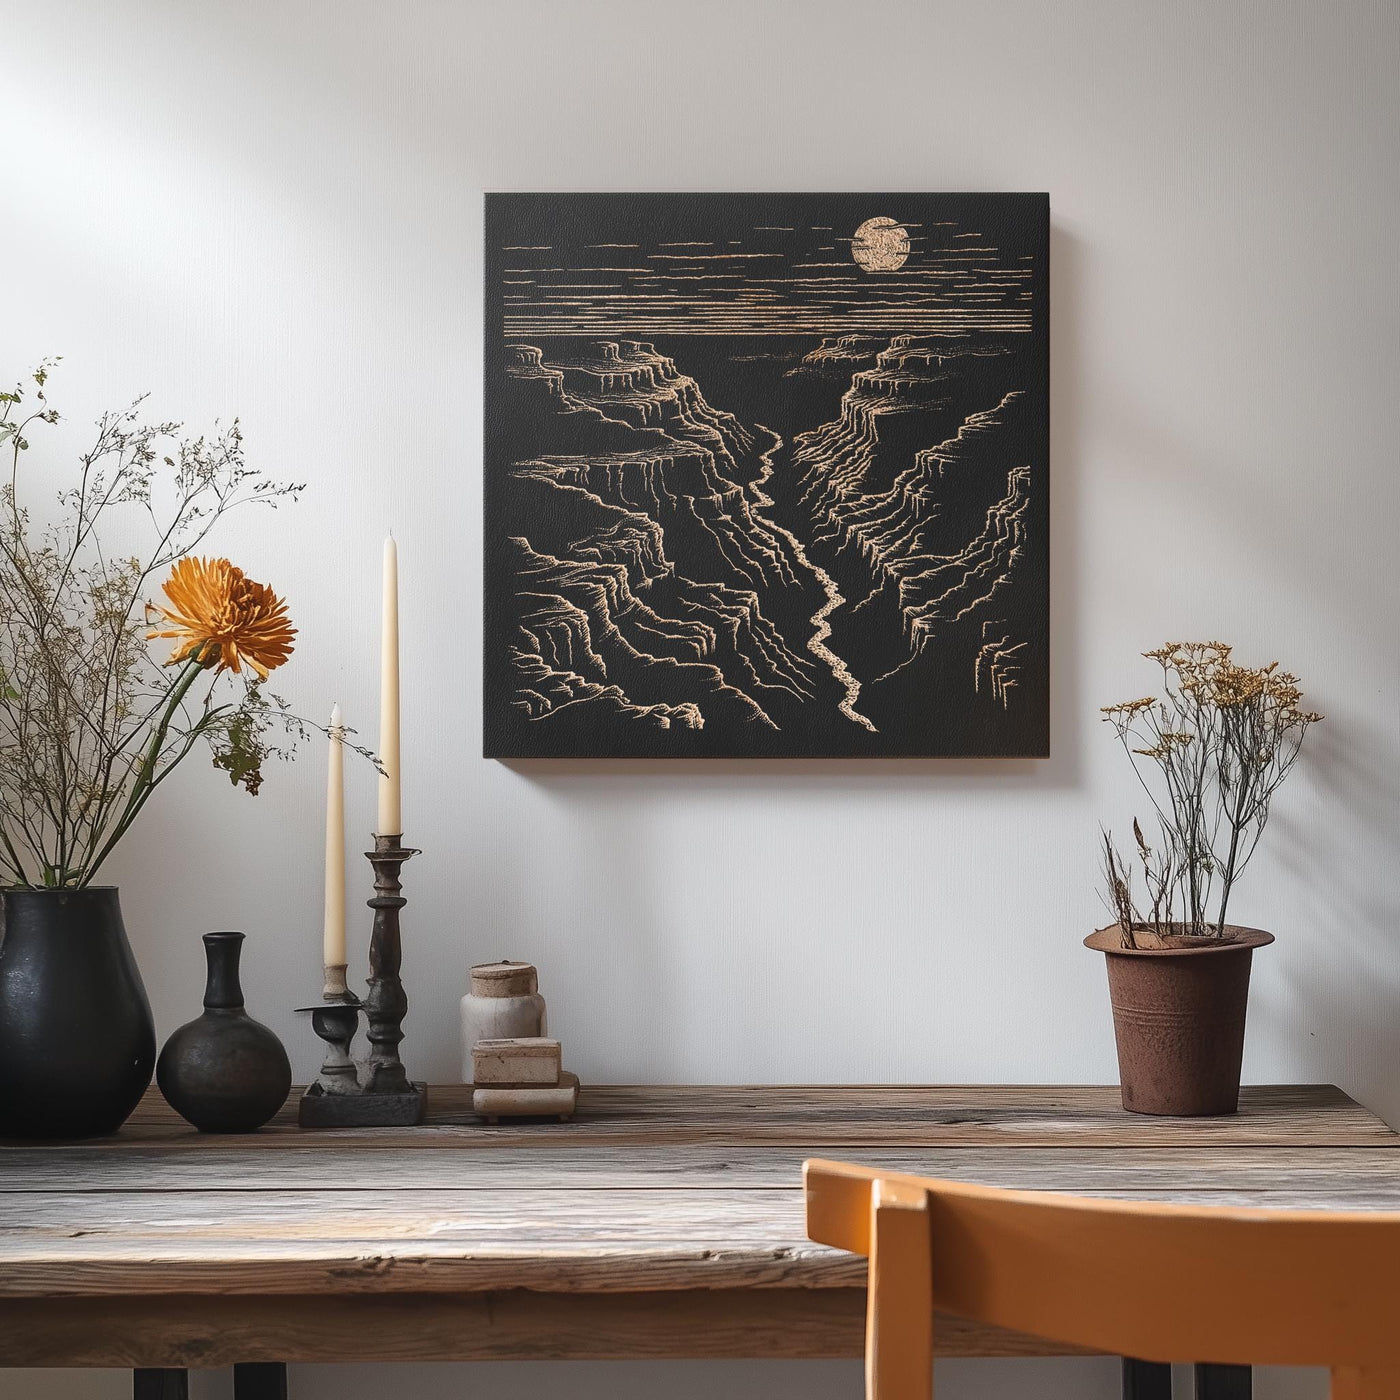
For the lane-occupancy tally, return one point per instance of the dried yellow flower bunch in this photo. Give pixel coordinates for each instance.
(1219, 741)
(1206, 670)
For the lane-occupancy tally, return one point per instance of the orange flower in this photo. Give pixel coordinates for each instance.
(221, 617)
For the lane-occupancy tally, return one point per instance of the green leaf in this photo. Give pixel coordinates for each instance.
(239, 749)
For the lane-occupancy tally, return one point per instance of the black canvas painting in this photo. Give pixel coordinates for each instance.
(766, 475)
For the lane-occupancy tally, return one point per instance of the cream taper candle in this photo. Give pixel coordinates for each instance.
(333, 940)
(390, 808)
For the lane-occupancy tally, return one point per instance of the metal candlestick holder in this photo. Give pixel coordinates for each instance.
(375, 1092)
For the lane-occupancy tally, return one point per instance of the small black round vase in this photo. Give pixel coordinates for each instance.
(225, 1072)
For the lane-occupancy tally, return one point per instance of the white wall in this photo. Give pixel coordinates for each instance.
(273, 209)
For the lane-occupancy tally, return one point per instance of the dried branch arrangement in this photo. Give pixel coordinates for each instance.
(1210, 753)
(90, 723)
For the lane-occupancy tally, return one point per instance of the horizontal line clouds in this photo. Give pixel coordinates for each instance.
(797, 278)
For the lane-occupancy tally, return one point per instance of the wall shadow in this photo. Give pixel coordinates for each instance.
(1343, 986)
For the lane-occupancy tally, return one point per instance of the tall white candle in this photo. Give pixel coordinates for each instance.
(333, 940)
(390, 810)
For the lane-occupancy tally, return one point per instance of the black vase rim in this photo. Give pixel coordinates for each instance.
(69, 890)
(224, 934)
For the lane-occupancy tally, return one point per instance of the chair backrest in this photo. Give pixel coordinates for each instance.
(1157, 1282)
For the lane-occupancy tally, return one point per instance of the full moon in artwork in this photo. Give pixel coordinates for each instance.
(880, 245)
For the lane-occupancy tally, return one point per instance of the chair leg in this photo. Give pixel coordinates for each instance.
(1224, 1383)
(899, 1302)
(260, 1380)
(160, 1383)
(1146, 1380)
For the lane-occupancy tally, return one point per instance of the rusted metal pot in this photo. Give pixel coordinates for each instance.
(1178, 1018)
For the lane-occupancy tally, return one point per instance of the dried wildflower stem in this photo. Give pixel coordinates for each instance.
(90, 723)
(1220, 741)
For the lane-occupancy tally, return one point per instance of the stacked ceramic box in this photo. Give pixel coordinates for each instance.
(514, 1068)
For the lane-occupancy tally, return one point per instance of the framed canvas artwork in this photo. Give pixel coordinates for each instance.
(766, 475)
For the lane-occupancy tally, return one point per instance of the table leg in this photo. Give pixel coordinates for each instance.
(160, 1383)
(1224, 1383)
(260, 1380)
(1146, 1380)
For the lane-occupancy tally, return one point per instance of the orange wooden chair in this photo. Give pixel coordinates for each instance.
(1160, 1282)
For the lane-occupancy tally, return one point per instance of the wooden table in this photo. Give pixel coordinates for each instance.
(662, 1222)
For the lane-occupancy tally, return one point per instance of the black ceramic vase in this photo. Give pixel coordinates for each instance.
(225, 1072)
(76, 1038)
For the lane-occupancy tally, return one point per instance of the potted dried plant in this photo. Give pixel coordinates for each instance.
(1209, 752)
(92, 724)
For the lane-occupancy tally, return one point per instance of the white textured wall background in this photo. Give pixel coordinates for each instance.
(273, 210)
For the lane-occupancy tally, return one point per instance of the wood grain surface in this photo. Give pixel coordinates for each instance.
(874, 1116)
(660, 1222)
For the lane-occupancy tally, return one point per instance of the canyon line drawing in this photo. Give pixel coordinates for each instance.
(766, 476)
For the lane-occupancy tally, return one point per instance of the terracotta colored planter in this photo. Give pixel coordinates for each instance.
(1178, 1018)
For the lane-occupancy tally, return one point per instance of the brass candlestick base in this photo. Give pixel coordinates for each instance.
(377, 1093)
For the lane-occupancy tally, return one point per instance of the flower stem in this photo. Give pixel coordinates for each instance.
(147, 777)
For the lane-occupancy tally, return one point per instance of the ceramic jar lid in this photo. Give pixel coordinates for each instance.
(504, 979)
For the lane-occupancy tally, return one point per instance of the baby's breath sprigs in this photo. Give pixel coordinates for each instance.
(90, 722)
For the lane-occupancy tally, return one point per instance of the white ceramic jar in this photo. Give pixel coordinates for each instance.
(504, 1002)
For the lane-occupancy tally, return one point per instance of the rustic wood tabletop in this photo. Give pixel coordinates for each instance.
(660, 1222)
